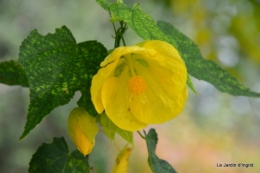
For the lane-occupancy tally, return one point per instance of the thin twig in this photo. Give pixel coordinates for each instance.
(144, 133)
(114, 27)
(141, 135)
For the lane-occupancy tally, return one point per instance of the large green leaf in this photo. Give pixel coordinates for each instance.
(157, 165)
(56, 67)
(12, 73)
(148, 29)
(55, 158)
(110, 129)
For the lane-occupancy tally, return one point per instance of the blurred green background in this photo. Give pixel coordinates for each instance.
(213, 128)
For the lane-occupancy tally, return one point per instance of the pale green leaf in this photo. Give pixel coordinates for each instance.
(110, 129)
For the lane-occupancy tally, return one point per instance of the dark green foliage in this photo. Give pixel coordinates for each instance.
(56, 67)
(55, 158)
(157, 165)
(85, 101)
(12, 73)
(92, 65)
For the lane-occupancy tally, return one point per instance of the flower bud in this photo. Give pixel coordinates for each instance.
(82, 129)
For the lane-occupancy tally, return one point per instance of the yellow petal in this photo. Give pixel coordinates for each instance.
(82, 143)
(162, 48)
(166, 66)
(99, 79)
(156, 109)
(165, 78)
(122, 161)
(115, 97)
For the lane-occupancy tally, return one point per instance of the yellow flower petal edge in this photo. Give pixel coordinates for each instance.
(121, 164)
(82, 129)
(140, 85)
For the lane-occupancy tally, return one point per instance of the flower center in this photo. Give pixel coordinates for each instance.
(136, 85)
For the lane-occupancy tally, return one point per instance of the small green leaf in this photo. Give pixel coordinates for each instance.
(108, 126)
(110, 129)
(190, 85)
(56, 67)
(157, 165)
(113, 18)
(127, 135)
(12, 73)
(103, 3)
(55, 158)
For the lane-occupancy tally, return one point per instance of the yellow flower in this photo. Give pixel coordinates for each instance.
(140, 85)
(82, 130)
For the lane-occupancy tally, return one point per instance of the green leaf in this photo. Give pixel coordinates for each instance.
(198, 67)
(103, 3)
(92, 66)
(141, 23)
(108, 126)
(204, 69)
(55, 158)
(56, 67)
(12, 73)
(127, 135)
(85, 101)
(77, 163)
(190, 85)
(157, 165)
(110, 129)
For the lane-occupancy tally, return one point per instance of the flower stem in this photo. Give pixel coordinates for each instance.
(119, 33)
(112, 22)
(142, 136)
